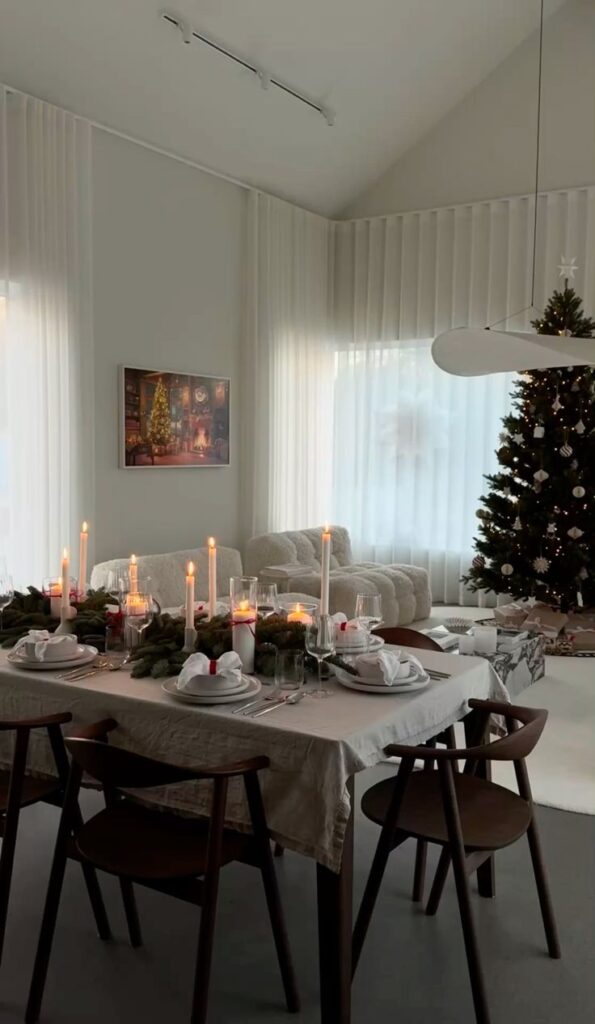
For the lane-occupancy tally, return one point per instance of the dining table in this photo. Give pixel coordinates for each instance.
(315, 748)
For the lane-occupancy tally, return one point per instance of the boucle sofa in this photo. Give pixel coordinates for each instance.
(405, 589)
(168, 571)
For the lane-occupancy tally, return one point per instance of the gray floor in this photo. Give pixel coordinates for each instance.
(412, 970)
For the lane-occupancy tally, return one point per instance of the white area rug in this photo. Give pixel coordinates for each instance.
(562, 766)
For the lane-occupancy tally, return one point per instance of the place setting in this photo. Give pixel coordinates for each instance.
(386, 672)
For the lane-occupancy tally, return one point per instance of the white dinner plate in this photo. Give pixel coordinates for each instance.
(85, 655)
(213, 689)
(418, 682)
(376, 642)
(170, 686)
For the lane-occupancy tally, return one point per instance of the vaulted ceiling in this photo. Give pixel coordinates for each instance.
(391, 69)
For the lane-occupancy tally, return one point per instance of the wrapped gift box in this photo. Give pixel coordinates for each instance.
(520, 667)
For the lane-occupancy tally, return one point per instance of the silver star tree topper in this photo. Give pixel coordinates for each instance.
(568, 267)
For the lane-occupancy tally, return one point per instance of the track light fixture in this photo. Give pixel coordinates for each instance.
(189, 34)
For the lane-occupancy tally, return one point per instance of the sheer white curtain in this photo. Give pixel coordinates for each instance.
(46, 375)
(412, 443)
(287, 368)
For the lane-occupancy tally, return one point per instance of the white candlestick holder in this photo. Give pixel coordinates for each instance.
(66, 616)
(189, 640)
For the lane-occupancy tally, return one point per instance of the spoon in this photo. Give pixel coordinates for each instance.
(294, 698)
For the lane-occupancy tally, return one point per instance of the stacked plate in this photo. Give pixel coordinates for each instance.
(83, 654)
(415, 679)
(375, 643)
(209, 691)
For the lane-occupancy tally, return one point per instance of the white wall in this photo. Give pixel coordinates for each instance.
(166, 282)
(485, 147)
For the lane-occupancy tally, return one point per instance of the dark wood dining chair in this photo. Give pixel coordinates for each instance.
(400, 636)
(468, 816)
(172, 854)
(19, 789)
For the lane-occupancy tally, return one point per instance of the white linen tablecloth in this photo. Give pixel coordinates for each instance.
(314, 746)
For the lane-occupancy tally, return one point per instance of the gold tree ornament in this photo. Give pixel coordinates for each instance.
(541, 565)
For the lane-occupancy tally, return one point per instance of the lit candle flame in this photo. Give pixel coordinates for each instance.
(85, 527)
(65, 554)
(244, 606)
(211, 542)
(190, 568)
(133, 559)
(327, 528)
(298, 607)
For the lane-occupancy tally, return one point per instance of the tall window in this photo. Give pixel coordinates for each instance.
(46, 382)
(411, 445)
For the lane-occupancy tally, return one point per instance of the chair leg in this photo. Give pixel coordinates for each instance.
(457, 851)
(206, 934)
(131, 911)
(419, 872)
(438, 883)
(52, 902)
(383, 850)
(11, 824)
(96, 900)
(271, 889)
(545, 901)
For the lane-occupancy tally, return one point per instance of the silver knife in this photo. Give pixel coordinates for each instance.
(269, 707)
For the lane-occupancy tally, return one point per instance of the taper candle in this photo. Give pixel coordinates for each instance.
(212, 576)
(133, 575)
(84, 541)
(325, 565)
(65, 595)
(190, 595)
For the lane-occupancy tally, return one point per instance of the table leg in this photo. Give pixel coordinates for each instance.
(335, 924)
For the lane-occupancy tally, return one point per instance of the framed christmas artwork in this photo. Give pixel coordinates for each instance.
(170, 420)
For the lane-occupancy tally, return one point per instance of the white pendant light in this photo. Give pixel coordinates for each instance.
(473, 352)
(476, 351)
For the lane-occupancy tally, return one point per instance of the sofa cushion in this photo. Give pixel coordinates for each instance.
(298, 546)
(168, 572)
(405, 590)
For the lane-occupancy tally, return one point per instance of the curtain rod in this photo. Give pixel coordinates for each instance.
(11, 89)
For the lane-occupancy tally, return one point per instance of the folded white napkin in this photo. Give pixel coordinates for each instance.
(45, 646)
(200, 673)
(349, 632)
(390, 668)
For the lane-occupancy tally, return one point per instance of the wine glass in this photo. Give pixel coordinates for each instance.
(6, 594)
(368, 611)
(267, 599)
(320, 644)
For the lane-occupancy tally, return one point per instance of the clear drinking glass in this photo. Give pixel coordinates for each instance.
(289, 670)
(368, 611)
(6, 594)
(138, 611)
(267, 599)
(320, 644)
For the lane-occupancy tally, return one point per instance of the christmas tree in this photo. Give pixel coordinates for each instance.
(160, 421)
(538, 517)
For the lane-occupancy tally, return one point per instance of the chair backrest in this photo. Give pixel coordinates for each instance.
(116, 768)
(168, 571)
(400, 636)
(514, 747)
